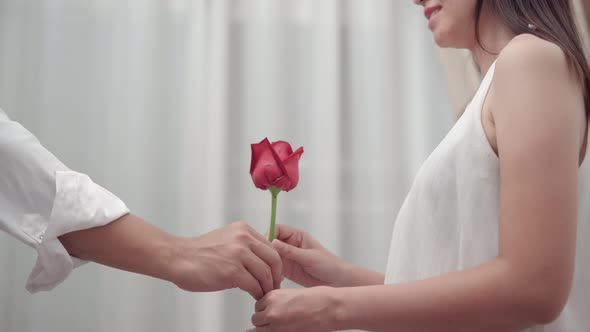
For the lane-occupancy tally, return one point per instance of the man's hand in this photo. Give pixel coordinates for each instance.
(229, 257)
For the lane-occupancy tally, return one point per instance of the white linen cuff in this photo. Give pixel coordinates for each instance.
(79, 204)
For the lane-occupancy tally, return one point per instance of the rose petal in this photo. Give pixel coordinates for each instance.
(283, 149)
(257, 150)
(278, 159)
(284, 182)
(291, 165)
(266, 167)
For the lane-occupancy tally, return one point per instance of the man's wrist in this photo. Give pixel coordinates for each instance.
(173, 258)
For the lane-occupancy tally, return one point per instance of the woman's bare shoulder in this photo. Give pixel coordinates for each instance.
(528, 57)
(534, 83)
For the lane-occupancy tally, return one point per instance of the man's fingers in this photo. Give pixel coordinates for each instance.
(247, 229)
(259, 270)
(259, 319)
(259, 237)
(260, 305)
(266, 251)
(246, 282)
(265, 328)
(272, 258)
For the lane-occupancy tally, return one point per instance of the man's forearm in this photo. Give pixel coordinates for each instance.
(228, 257)
(128, 243)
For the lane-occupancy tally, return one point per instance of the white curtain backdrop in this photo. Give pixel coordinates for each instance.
(158, 101)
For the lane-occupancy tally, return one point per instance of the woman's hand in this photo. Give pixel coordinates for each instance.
(308, 263)
(293, 310)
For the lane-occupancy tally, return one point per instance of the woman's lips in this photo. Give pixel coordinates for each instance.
(430, 11)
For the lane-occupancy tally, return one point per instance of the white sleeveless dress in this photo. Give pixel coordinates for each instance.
(449, 220)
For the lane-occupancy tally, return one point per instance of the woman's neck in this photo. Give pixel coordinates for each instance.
(494, 37)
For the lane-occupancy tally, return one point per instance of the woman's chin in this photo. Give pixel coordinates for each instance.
(447, 37)
(442, 40)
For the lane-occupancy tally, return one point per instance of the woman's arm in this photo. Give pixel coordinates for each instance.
(360, 276)
(491, 297)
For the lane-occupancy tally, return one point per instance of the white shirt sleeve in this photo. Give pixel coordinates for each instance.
(41, 199)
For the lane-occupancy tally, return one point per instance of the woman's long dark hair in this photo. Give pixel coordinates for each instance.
(553, 20)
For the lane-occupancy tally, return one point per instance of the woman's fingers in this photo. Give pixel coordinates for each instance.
(289, 234)
(298, 255)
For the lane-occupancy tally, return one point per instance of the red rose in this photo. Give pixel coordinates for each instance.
(275, 165)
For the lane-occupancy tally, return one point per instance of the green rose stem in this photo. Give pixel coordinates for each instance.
(273, 213)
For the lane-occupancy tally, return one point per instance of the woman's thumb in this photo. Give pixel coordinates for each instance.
(288, 251)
